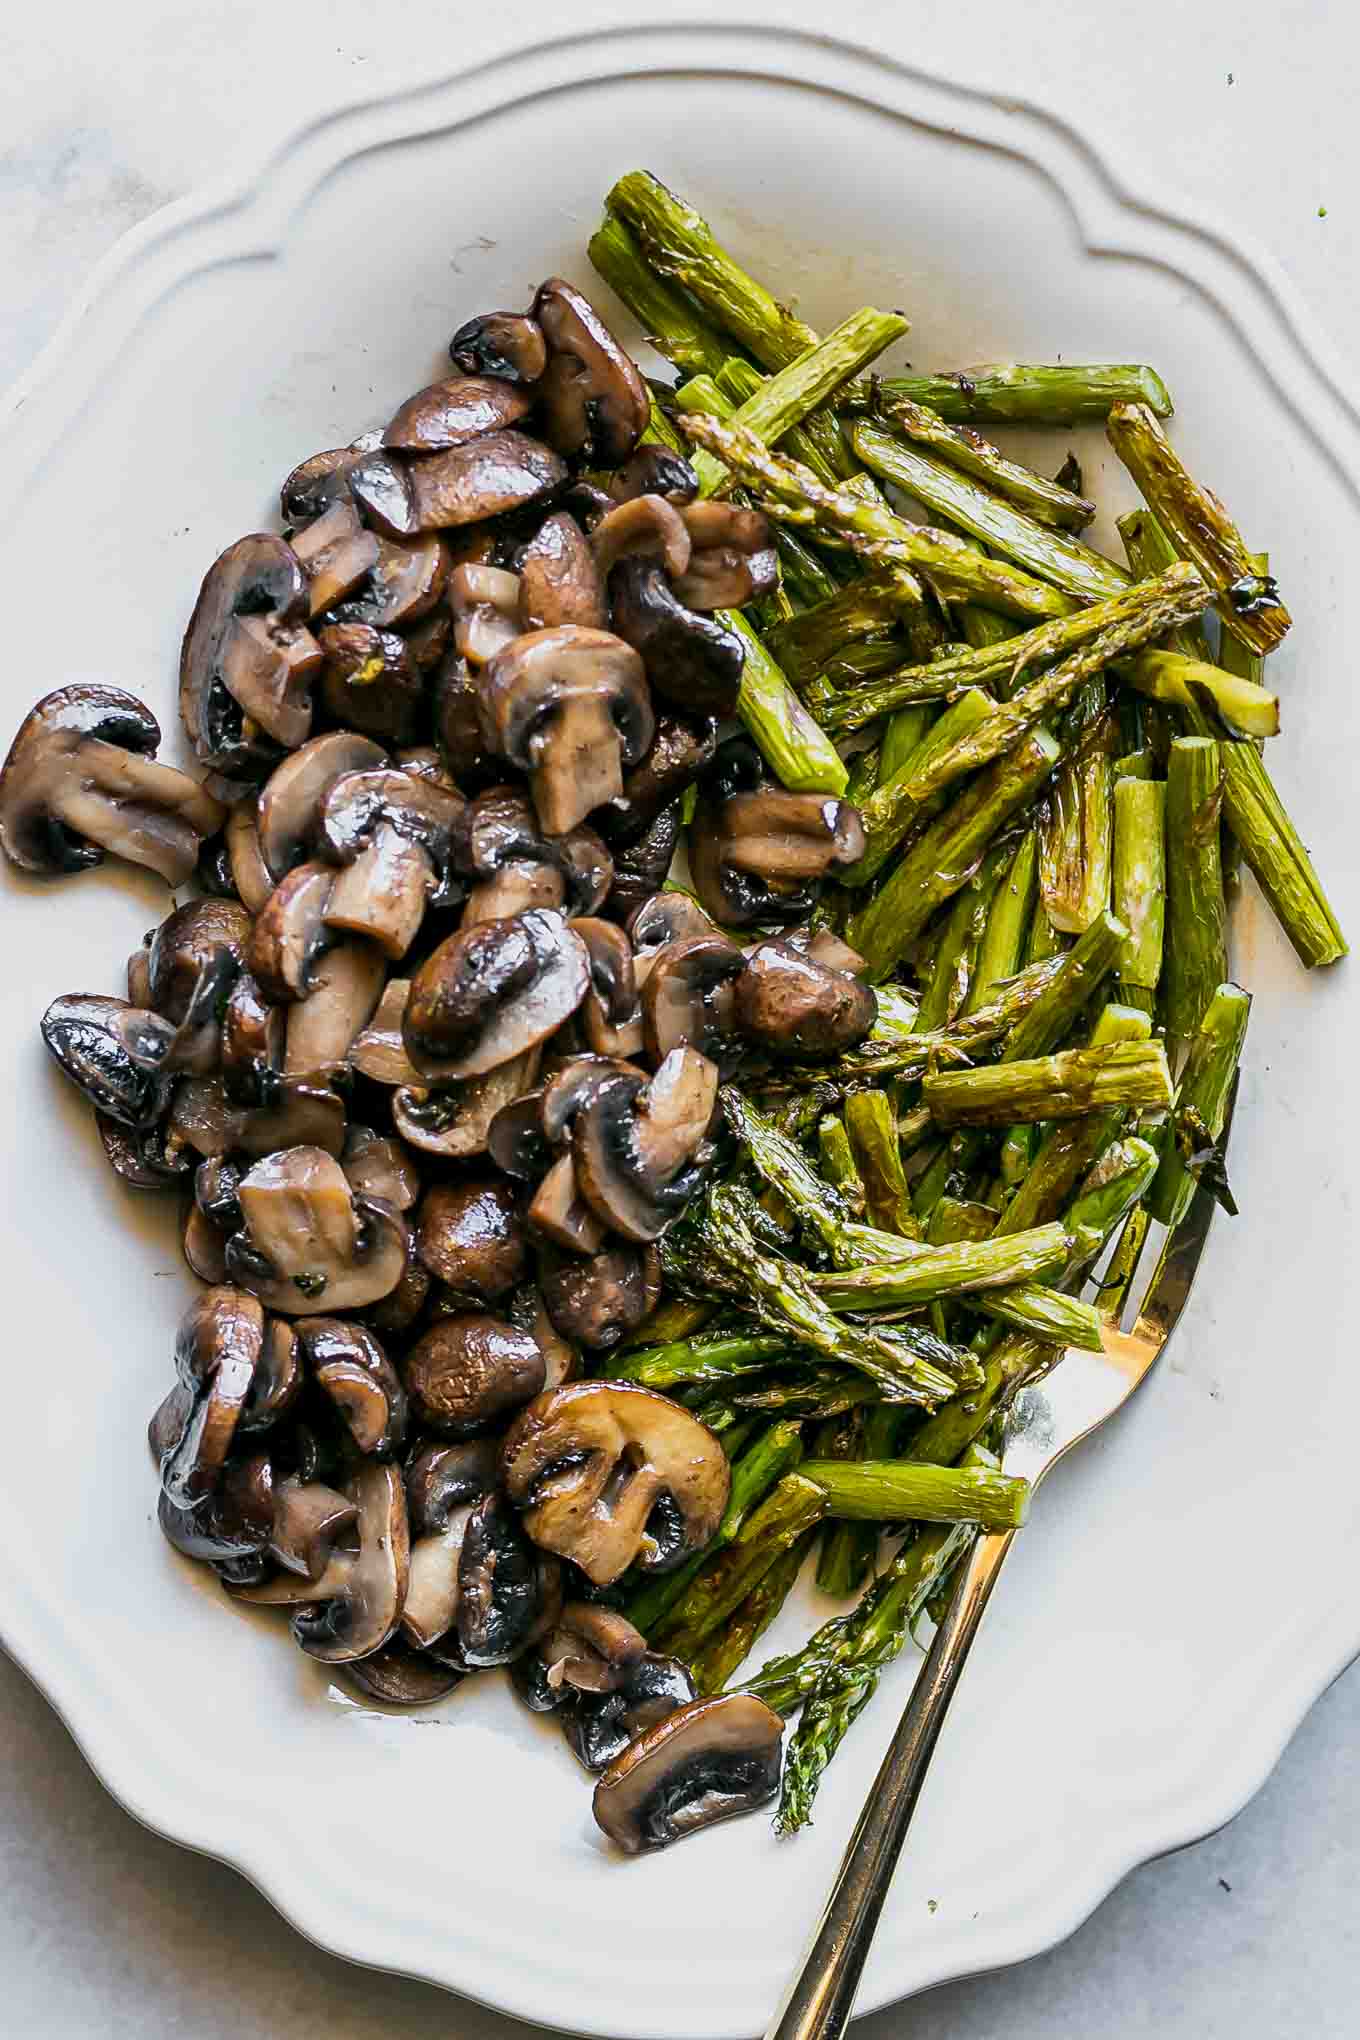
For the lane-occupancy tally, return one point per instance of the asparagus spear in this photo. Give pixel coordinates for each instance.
(815, 442)
(965, 448)
(1140, 879)
(1200, 528)
(864, 611)
(1132, 1075)
(1118, 1277)
(906, 729)
(679, 1317)
(893, 1491)
(951, 974)
(798, 751)
(792, 1508)
(1080, 974)
(928, 1272)
(1245, 708)
(872, 1131)
(1016, 1358)
(1117, 1182)
(1077, 843)
(792, 494)
(1002, 949)
(944, 855)
(1196, 940)
(838, 1162)
(1192, 1153)
(713, 1359)
(670, 319)
(1055, 556)
(1016, 393)
(884, 825)
(713, 1665)
(801, 573)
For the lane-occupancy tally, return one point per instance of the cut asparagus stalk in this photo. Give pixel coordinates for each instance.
(1169, 596)
(1077, 842)
(838, 1162)
(1016, 1358)
(894, 1491)
(1196, 939)
(1192, 1152)
(1002, 949)
(729, 1647)
(679, 1317)
(951, 973)
(964, 448)
(1080, 974)
(872, 1132)
(1132, 1075)
(952, 1270)
(1140, 878)
(952, 727)
(670, 319)
(794, 1507)
(942, 858)
(1026, 393)
(817, 442)
(798, 752)
(802, 574)
(791, 493)
(1123, 1265)
(905, 730)
(1118, 1181)
(1199, 527)
(863, 612)
(1055, 556)
(1245, 708)
(705, 1359)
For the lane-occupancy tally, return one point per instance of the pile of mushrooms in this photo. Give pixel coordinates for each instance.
(431, 1052)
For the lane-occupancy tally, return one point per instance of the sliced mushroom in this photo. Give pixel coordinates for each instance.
(455, 1120)
(664, 917)
(81, 780)
(336, 553)
(408, 580)
(692, 661)
(599, 1727)
(654, 470)
(485, 602)
(299, 1113)
(470, 1370)
(277, 1382)
(323, 479)
(682, 748)
(757, 851)
(251, 876)
(828, 948)
(794, 1006)
(187, 942)
(559, 578)
(361, 1614)
(248, 660)
(370, 682)
(505, 344)
(643, 527)
(309, 1246)
(611, 1016)
(216, 1348)
(561, 1359)
(559, 1214)
(290, 933)
(492, 992)
(204, 1248)
(470, 1236)
(570, 707)
(500, 845)
(640, 867)
(309, 1520)
(589, 1464)
(390, 831)
(452, 412)
(597, 1302)
(137, 1154)
(591, 1649)
(593, 401)
(397, 1312)
(516, 1141)
(688, 998)
(377, 1051)
(499, 472)
(377, 1165)
(291, 804)
(733, 560)
(458, 726)
(229, 1527)
(507, 1591)
(403, 1677)
(253, 1037)
(704, 1763)
(353, 1372)
(113, 1052)
(212, 868)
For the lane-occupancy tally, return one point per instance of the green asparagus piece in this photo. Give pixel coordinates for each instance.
(865, 611)
(1002, 949)
(1077, 845)
(1082, 971)
(1016, 393)
(1141, 764)
(792, 494)
(794, 1507)
(944, 855)
(729, 1647)
(1245, 708)
(838, 1162)
(679, 1317)
(799, 753)
(894, 1491)
(670, 319)
(982, 628)
(1196, 938)
(928, 1272)
(863, 776)
(965, 448)
(1200, 528)
(801, 1392)
(814, 443)
(1118, 1181)
(1132, 1075)
(1117, 1280)
(1016, 1358)
(1192, 1153)
(905, 730)
(802, 574)
(872, 1132)
(713, 1359)
(951, 975)
(1066, 1153)
(1140, 878)
(1163, 600)
(1055, 556)
(955, 726)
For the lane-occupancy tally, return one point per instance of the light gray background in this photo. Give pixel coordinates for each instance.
(107, 112)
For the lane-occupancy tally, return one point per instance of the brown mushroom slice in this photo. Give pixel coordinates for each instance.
(561, 1358)
(589, 1463)
(635, 1145)
(309, 1246)
(336, 553)
(441, 1478)
(591, 1649)
(390, 831)
(592, 398)
(216, 1349)
(500, 845)
(654, 470)
(432, 1593)
(640, 867)
(397, 1313)
(611, 1016)
(290, 933)
(642, 527)
(370, 682)
(733, 560)
(377, 1165)
(508, 345)
(470, 1236)
(559, 579)
(828, 948)
(499, 472)
(291, 803)
(682, 748)
(253, 1036)
(401, 1676)
(377, 1051)
(757, 855)
(251, 876)
(703, 1763)
(688, 997)
(570, 707)
(672, 915)
(277, 1382)
(599, 1300)
(516, 1141)
(560, 1214)
(361, 1615)
(469, 1371)
(693, 662)
(452, 412)
(229, 1527)
(455, 1120)
(458, 726)
(485, 602)
(353, 1372)
(247, 660)
(508, 1593)
(298, 1113)
(80, 780)
(187, 940)
(309, 1519)
(203, 1247)
(113, 1052)
(408, 580)
(323, 479)
(794, 1006)
(492, 992)
(135, 1155)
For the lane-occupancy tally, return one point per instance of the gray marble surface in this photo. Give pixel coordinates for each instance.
(1246, 106)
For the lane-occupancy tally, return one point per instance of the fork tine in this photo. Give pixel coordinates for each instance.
(1169, 1290)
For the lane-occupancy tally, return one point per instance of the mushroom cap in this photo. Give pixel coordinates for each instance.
(458, 726)
(469, 1235)
(499, 472)
(113, 1052)
(758, 852)
(597, 1301)
(599, 1727)
(185, 944)
(593, 400)
(377, 1165)
(794, 1006)
(216, 1348)
(654, 470)
(291, 801)
(336, 553)
(562, 1465)
(507, 1592)
(641, 867)
(505, 344)
(455, 1120)
(310, 1247)
(591, 1648)
(408, 580)
(80, 780)
(636, 1143)
(703, 1763)
(688, 998)
(451, 412)
(470, 1370)
(323, 479)
(351, 1369)
(403, 1676)
(570, 706)
(491, 992)
(559, 578)
(442, 1478)
(307, 1520)
(371, 683)
(358, 1617)
(290, 933)
(692, 661)
(681, 750)
(250, 874)
(277, 1381)
(611, 1017)
(257, 582)
(642, 526)
(516, 1141)
(136, 1154)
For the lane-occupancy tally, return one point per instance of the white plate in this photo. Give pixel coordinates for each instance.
(1187, 1586)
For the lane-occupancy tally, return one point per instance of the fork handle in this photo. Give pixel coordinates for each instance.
(821, 1997)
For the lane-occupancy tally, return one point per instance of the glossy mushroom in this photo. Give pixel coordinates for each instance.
(359, 1381)
(492, 992)
(692, 661)
(598, 1300)
(469, 1371)
(310, 1246)
(390, 832)
(509, 345)
(592, 399)
(288, 816)
(688, 998)
(470, 1236)
(248, 659)
(559, 577)
(793, 1006)
(452, 412)
(758, 851)
(637, 1144)
(366, 1590)
(507, 1591)
(570, 707)
(610, 1014)
(701, 1764)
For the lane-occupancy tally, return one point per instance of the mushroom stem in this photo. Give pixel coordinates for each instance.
(144, 812)
(347, 985)
(578, 766)
(384, 892)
